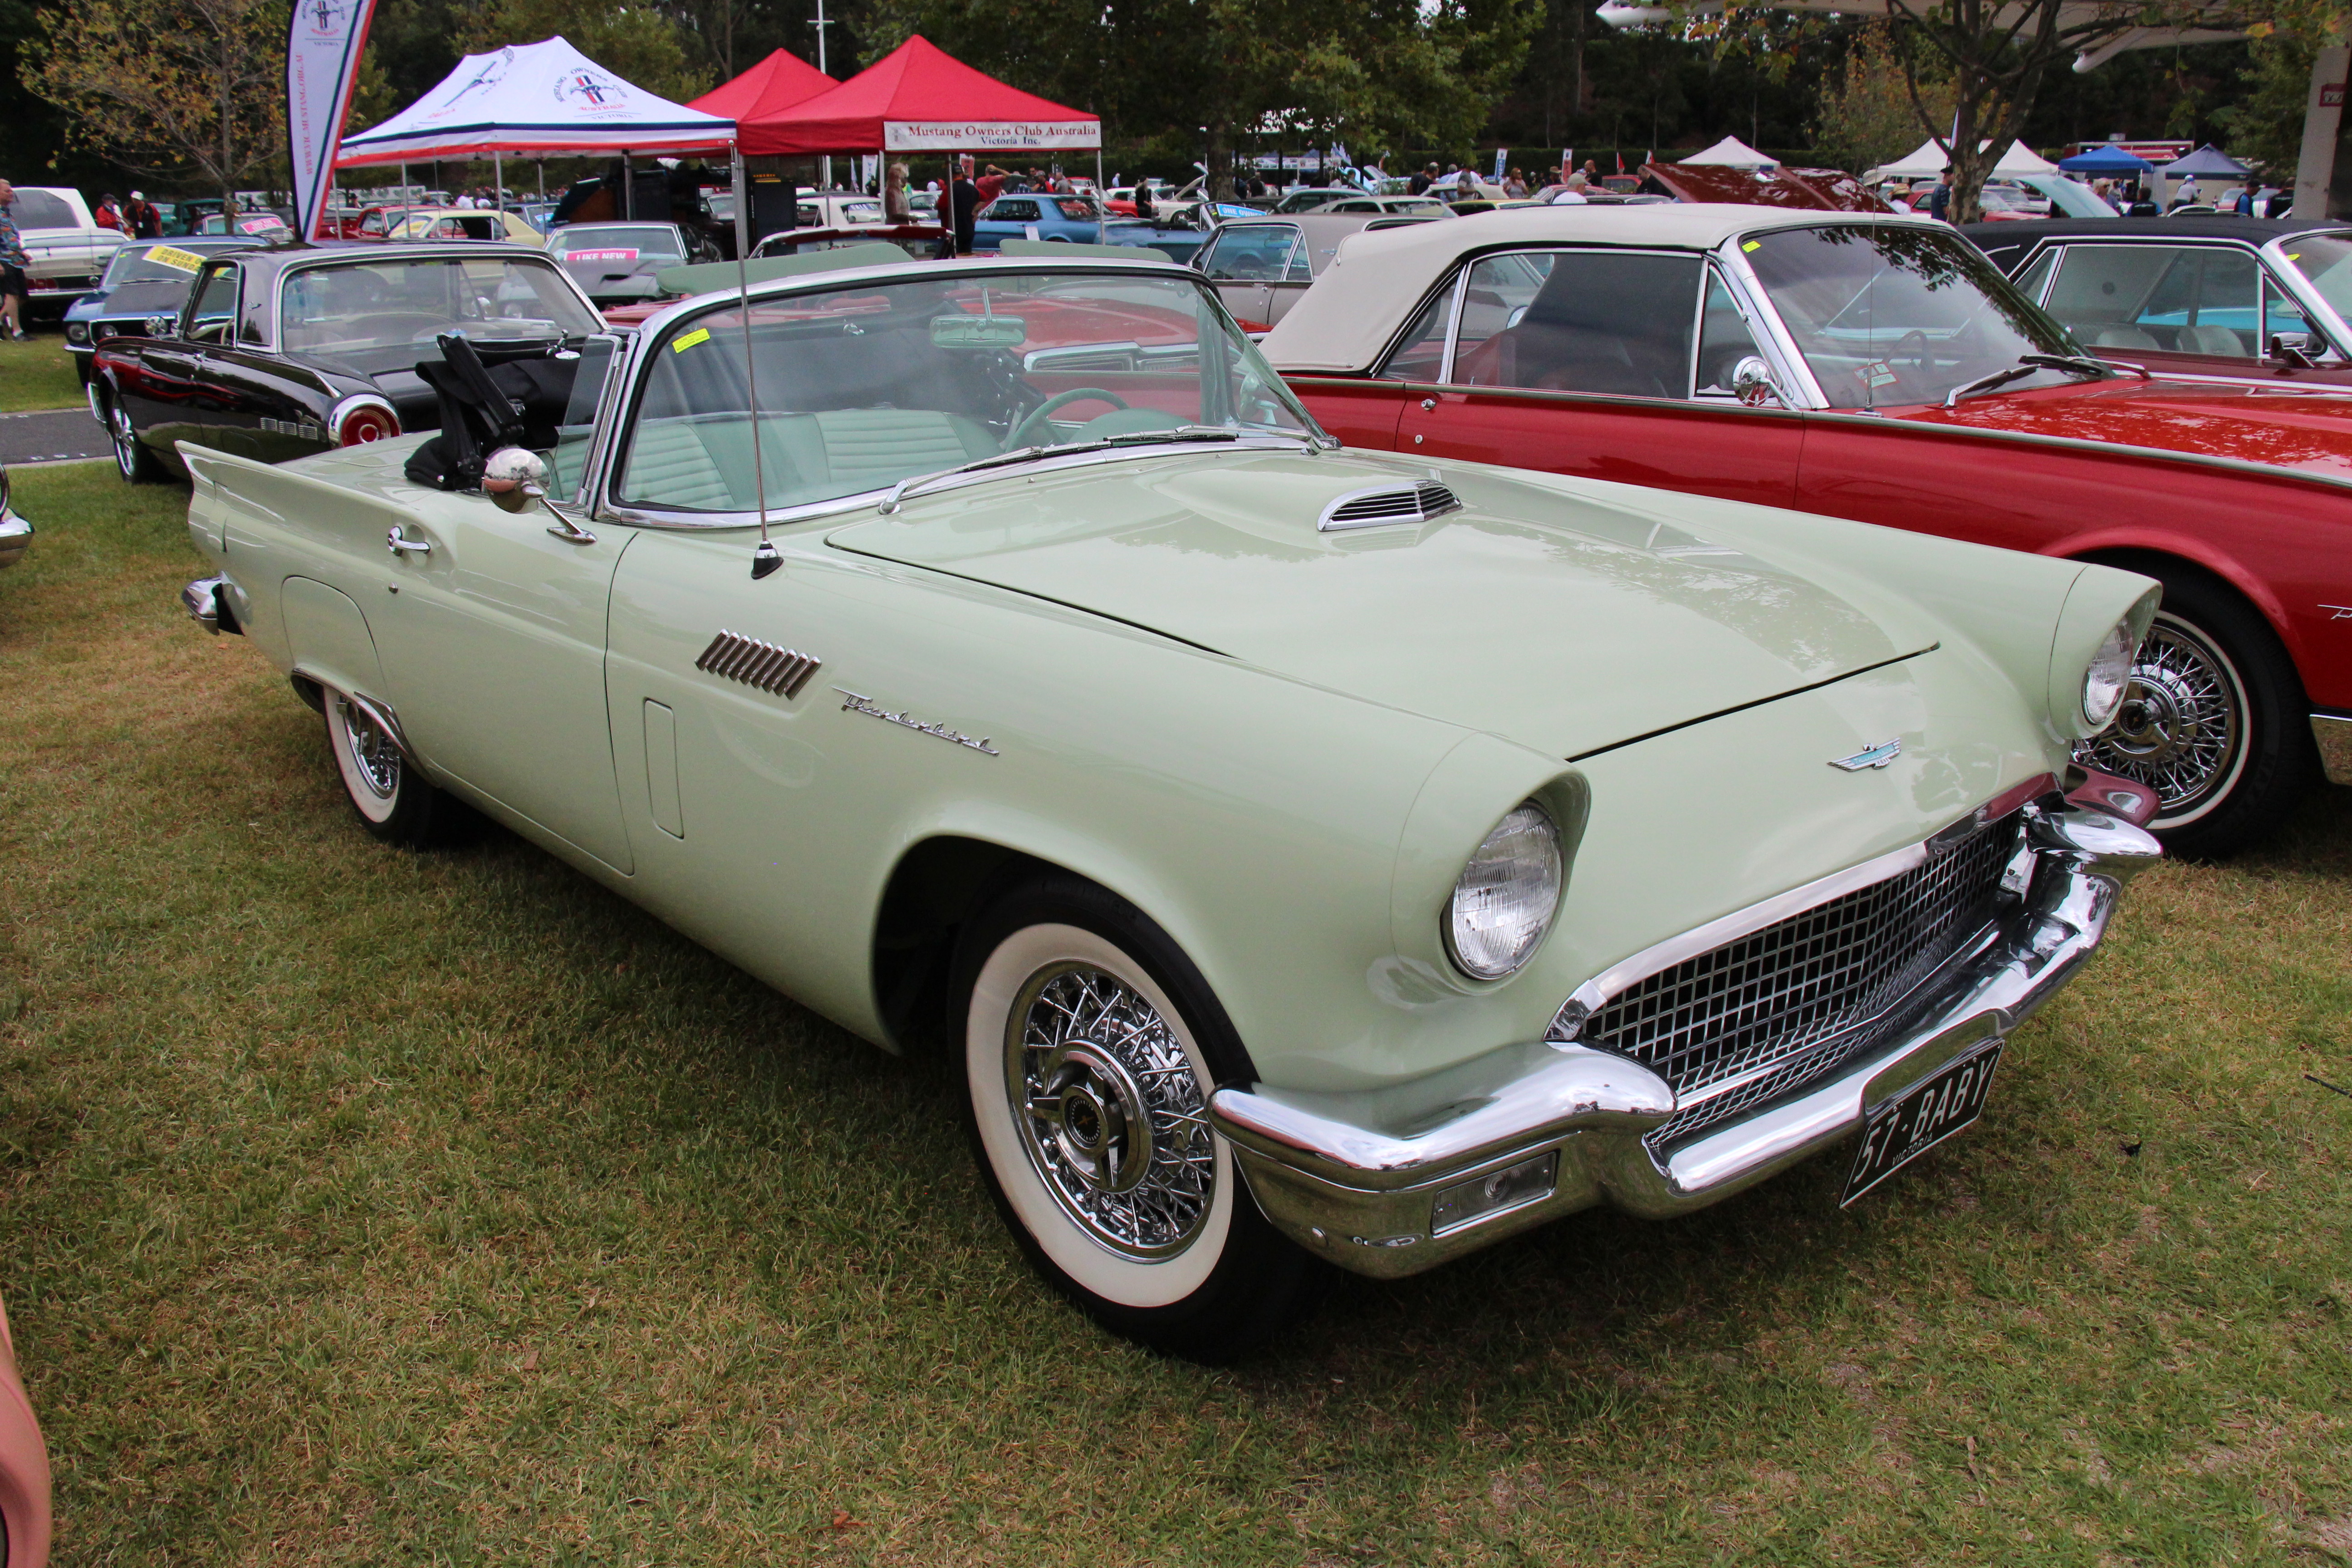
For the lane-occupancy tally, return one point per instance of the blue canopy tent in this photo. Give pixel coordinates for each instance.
(2106, 161)
(2207, 163)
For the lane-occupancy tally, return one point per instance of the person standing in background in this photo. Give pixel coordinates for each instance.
(109, 215)
(896, 208)
(965, 207)
(13, 261)
(1940, 200)
(146, 222)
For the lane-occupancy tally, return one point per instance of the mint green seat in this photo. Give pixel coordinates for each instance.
(702, 463)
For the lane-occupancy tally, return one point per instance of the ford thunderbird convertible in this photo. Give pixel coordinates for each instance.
(1314, 857)
(1881, 369)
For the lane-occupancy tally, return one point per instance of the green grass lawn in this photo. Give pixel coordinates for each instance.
(373, 1208)
(38, 373)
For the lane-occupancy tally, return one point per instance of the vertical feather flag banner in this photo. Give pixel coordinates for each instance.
(323, 42)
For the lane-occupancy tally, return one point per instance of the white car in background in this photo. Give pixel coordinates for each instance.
(65, 248)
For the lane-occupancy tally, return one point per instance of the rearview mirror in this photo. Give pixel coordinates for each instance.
(978, 332)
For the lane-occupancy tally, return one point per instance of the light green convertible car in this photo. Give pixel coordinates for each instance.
(1320, 857)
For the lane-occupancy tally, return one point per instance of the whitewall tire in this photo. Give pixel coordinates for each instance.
(1090, 1047)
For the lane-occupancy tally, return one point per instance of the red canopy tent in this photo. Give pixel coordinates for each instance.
(772, 86)
(919, 99)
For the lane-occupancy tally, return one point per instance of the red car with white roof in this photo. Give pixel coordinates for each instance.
(1880, 368)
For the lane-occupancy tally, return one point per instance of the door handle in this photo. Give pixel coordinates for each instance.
(1427, 403)
(400, 543)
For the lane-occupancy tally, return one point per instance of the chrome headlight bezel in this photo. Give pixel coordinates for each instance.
(1520, 860)
(2107, 677)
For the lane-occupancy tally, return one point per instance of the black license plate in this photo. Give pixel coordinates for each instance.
(1921, 1117)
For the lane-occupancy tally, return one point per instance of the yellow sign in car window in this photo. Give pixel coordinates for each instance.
(172, 256)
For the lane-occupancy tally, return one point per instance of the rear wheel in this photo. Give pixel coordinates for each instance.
(1091, 1045)
(393, 802)
(2213, 720)
(132, 458)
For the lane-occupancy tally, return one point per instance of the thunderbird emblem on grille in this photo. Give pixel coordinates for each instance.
(1878, 756)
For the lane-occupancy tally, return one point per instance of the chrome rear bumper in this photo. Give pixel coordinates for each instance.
(1381, 1182)
(16, 533)
(2331, 733)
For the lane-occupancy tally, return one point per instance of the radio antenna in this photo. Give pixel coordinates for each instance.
(765, 558)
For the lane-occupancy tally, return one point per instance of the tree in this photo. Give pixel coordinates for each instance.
(1995, 54)
(645, 45)
(1866, 116)
(163, 87)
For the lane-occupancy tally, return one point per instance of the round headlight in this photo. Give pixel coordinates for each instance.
(76, 332)
(1504, 901)
(2110, 673)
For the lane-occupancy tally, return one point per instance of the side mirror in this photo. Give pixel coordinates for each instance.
(1752, 384)
(2292, 349)
(515, 479)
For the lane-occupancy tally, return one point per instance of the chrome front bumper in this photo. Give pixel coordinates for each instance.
(1377, 1181)
(16, 533)
(2330, 733)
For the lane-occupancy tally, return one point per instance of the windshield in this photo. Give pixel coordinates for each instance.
(1891, 314)
(865, 386)
(151, 264)
(617, 242)
(376, 316)
(2326, 262)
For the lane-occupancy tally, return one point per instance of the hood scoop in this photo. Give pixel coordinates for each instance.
(1387, 504)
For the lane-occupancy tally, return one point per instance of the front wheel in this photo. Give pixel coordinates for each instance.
(1091, 1045)
(137, 464)
(2212, 720)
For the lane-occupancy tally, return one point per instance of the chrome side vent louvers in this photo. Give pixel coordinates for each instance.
(757, 664)
(1371, 509)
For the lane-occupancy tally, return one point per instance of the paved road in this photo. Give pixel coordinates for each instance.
(51, 435)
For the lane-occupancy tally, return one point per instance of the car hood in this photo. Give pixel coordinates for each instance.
(1567, 622)
(2305, 427)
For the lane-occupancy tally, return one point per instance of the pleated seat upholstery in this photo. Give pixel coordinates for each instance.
(704, 464)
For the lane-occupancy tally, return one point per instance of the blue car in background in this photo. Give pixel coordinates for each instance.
(1037, 214)
(146, 278)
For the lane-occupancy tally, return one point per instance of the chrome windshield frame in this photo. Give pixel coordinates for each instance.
(629, 373)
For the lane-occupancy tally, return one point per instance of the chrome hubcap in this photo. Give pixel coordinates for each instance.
(376, 760)
(126, 446)
(2180, 724)
(1111, 1114)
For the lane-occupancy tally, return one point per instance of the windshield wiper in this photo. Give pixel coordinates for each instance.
(905, 486)
(2026, 366)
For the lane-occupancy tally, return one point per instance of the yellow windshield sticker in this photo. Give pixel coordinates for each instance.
(2294, 255)
(1753, 245)
(699, 335)
(172, 256)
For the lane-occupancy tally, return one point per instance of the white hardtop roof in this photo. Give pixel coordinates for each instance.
(1379, 277)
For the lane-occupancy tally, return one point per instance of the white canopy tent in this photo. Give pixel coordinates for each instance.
(1731, 152)
(544, 99)
(1928, 160)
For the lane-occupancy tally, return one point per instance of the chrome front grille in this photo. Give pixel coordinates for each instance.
(1763, 1015)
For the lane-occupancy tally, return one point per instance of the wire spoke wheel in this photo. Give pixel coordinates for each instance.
(1114, 1120)
(2181, 727)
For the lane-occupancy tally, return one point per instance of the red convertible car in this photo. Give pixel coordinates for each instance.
(1882, 369)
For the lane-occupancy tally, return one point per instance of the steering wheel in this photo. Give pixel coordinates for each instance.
(1023, 435)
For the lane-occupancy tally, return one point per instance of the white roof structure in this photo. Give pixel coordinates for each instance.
(1927, 161)
(1381, 276)
(537, 99)
(1731, 152)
